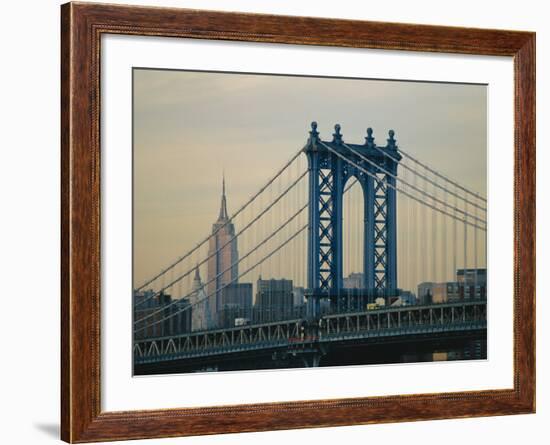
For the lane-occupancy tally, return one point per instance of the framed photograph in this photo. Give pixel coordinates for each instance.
(274, 222)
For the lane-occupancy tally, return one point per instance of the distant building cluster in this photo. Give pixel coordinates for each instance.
(470, 284)
(354, 280)
(224, 301)
(158, 315)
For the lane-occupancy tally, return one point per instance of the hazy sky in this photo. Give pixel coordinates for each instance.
(189, 127)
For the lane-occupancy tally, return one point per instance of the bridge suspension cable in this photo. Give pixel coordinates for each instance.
(205, 240)
(441, 176)
(434, 183)
(417, 189)
(401, 190)
(246, 227)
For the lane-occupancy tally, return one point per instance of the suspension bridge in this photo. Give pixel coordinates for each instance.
(339, 278)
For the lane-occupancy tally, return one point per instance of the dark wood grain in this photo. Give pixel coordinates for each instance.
(81, 28)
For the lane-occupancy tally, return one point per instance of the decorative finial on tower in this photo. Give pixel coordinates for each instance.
(313, 134)
(369, 139)
(337, 136)
(223, 207)
(391, 140)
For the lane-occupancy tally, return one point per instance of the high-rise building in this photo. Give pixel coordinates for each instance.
(274, 299)
(236, 302)
(237, 295)
(158, 315)
(472, 283)
(446, 292)
(202, 315)
(222, 250)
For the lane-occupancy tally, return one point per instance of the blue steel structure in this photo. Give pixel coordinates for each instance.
(328, 175)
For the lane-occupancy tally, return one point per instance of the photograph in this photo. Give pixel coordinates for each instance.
(295, 221)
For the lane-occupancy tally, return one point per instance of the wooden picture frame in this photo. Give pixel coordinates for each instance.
(82, 25)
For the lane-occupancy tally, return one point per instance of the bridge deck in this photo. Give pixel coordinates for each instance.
(372, 325)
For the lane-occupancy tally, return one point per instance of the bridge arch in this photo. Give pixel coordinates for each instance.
(331, 164)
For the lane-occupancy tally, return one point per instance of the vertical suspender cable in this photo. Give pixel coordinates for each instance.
(405, 265)
(444, 252)
(418, 243)
(425, 242)
(475, 256)
(275, 221)
(455, 246)
(348, 252)
(465, 247)
(434, 240)
(296, 241)
(353, 232)
(408, 267)
(303, 248)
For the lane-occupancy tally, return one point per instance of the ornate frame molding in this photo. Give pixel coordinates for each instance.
(82, 25)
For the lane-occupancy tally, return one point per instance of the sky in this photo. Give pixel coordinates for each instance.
(192, 127)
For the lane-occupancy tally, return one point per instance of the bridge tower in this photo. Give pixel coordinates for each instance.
(329, 171)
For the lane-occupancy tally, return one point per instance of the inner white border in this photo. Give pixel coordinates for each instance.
(121, 391)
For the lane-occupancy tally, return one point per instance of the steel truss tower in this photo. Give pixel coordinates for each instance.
(328, 175)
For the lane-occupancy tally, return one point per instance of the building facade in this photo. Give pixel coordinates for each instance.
(354, 280)
(236, 302)
(160, 315)
(433, 293)
(472, 283)
(202, 314)
(223, 257)
(274, 300)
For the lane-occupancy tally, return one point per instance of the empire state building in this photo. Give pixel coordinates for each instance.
(222, 265)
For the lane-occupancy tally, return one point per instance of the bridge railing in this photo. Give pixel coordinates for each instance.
(299, 332)
(405, 318)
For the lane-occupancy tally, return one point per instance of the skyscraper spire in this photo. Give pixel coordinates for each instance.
(197, 282)
(223, 209)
